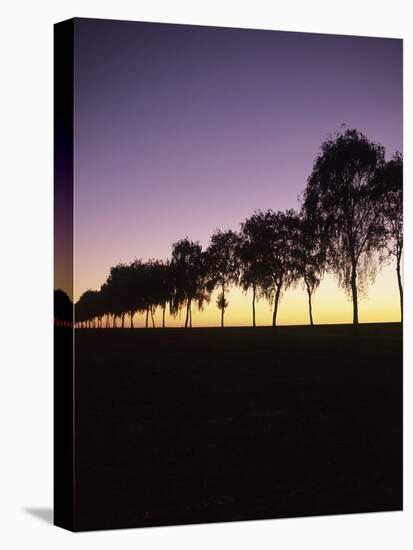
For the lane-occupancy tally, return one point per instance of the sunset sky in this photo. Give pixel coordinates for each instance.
(180, 130)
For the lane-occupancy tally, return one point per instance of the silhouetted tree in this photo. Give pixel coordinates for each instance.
(165, 287)
(136, 289)
(118, 292)
(223, 265)
(272, 253)
(158, 288)
(308, 258)
(389, 186)
(63, 309)
(251, 257)
(87, 308)
(107, 299)
(339, 200)
(189, 274)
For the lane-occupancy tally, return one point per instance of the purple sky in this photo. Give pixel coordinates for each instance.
(183, 129)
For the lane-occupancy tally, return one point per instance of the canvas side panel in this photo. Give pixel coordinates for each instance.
(63, 276)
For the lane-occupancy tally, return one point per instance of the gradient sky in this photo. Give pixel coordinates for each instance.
(180, 130)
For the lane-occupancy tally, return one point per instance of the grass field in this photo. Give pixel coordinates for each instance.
(188, 426)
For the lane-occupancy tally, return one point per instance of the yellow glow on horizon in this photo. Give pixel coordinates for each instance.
(331, 305)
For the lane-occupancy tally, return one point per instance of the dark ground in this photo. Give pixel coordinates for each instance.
(210, 425)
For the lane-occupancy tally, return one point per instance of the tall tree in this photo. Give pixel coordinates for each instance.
(266, 255)
(158, 287)
(390, 196)
(250, 251)
(189, 273)
(136, 279)
(223, 265)
(165, 287)
(278, 243)
(308, 258)
(88, 308)
(118, 292)
(339, 199)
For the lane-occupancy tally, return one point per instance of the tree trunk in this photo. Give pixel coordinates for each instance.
(354, 295)
(147, 317)
(188, 309)
(132, 313)
(190, 317)
(153, 320)
(123, 321)
(253, 305)
(223, 308)
(276, 300)
(163, 316)
(114, 321)
(399, 281)
(310, 307)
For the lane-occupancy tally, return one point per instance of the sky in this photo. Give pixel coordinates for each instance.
(180, 130)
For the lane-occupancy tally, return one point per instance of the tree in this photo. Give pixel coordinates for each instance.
(389, 181)
(251, 252)
(118, 292)
(158, 287)
(189, 274)
(340, 201)
(136, 277)
(63, 309)
(278, 243)
(308, 258)
(273, 239)
(223, 265)
(87, 308)
(165, 287)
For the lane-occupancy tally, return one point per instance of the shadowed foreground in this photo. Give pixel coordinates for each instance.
(209, 425)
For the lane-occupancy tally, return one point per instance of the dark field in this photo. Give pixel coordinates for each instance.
(208, 425)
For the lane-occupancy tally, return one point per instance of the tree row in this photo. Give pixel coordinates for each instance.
(349, 222)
